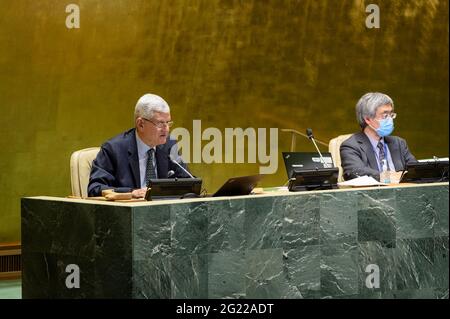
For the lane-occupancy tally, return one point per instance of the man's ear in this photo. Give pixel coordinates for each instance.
(139, 123)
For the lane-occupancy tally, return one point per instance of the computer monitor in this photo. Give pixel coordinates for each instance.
(305, 160)
(426, 172)
(165, 188)
(313, 179)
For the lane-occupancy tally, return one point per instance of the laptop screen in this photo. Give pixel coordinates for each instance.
(242, 185)
(305, 160)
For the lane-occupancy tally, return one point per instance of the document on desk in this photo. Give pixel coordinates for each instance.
(362, 181)
(434, 159)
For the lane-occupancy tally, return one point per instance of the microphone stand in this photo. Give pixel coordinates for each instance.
(311, 137)
(178, 164)
(320, 154)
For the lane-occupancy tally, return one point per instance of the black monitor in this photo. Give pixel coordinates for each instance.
(313, 179)
(426, 172)
(306, 160)
(165, 188)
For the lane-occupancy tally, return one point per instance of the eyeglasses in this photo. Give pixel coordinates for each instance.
(386, 115)
(159, 124)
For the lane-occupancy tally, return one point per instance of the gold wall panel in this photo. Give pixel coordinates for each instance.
(242, 63)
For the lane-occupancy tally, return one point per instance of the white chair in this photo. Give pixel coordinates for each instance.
(80, 170)
(334, 148)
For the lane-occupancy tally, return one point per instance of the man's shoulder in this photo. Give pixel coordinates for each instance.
(121, 140)
(354, 139)
(361, 137)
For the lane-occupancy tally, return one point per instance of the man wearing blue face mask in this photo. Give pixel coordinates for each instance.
(366, 152)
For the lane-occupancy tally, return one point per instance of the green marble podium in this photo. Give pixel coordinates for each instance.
(294, 245)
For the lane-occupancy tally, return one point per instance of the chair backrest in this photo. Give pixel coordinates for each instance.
(334, 149)
(80, 170)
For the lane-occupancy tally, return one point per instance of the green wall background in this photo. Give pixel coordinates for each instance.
(242, 63)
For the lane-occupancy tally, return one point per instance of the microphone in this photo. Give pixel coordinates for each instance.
(178, 164)
(310, 135)
(170, 173)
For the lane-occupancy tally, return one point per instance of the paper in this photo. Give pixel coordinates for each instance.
(268, 190)
(434, 159)
(361, 182)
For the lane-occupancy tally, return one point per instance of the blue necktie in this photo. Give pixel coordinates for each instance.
(382, 156)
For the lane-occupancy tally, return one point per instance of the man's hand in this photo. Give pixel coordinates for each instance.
(139, 193)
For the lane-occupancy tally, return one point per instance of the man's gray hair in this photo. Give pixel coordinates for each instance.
(368, 104)
(149, 104)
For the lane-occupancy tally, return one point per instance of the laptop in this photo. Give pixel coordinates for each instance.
(305, 161)
(238, 186)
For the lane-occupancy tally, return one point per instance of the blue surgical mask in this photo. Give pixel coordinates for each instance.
(386, 127)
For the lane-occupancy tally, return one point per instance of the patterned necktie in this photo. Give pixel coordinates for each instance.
(150, 171)
(382, 156)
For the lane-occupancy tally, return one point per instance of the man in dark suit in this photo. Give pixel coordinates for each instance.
(366, 152)
(132, 158)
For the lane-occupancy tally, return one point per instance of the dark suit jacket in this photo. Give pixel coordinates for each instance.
(358, 157)
(117, 164)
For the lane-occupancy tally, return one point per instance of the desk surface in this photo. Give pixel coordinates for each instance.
(137, 203)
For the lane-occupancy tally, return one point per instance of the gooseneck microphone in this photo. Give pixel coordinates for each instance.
(178, 164)
(311, 137)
